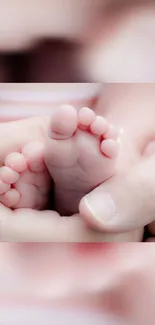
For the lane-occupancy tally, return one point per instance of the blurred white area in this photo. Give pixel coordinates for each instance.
(23, 22)
(35, 316)
(55, 274)
(45, 280)
(17, 100)
(47, 92)
(123, 50)
(113, 45)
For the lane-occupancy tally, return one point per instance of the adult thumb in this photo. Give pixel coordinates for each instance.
(124, 202)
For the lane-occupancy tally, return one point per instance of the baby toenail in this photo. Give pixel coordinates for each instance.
(101, 206)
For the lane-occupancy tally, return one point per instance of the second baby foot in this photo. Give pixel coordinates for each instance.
(80, 154)
(24, 179)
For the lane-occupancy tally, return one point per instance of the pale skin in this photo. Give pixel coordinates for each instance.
(67, 230)
(139, 180)
(141, 309)
(70, 151)
(134, 159)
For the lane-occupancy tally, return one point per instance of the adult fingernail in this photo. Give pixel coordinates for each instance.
(101, 206)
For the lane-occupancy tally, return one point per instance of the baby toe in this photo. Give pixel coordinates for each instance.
(34, 155)
(16, 161)
(110, 148)
(3, 187)
(63, 123)
(86, 117)
(99, 126)
(8, 176)
(10, 198)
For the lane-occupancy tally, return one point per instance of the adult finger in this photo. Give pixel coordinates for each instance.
(26, 225)
(124, 202)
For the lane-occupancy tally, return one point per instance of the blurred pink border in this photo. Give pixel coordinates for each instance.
(35, 109)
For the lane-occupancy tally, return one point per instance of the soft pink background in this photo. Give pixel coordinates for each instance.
(18, 101)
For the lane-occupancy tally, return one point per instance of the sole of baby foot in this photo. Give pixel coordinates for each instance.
(78, 156)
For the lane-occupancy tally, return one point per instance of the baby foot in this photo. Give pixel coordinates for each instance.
(24, 179)
(80, 155)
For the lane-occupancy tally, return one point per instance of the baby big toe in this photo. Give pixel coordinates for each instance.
(63, 123)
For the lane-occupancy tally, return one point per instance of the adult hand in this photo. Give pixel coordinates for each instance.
(31, 225)
(126, 201)
(28, 225)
